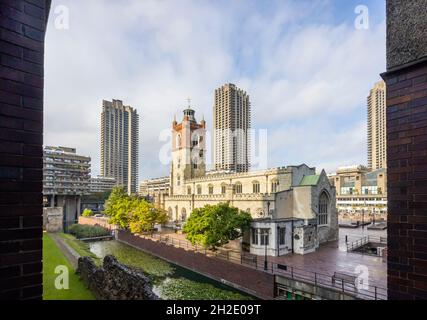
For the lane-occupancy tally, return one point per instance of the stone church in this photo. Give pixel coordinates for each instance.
(293, 208)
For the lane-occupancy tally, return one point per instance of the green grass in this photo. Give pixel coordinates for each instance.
(53, 257)
(82, 248)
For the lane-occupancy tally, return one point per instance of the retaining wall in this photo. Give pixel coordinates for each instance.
(254, 282)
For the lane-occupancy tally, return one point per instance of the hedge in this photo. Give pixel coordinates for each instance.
(87, 231)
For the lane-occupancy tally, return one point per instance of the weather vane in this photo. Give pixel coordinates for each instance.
(189, 102)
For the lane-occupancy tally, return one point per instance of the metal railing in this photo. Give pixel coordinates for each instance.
(358, 289)
(365, 240)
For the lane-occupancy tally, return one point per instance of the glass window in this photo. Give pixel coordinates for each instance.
(265, 239)
(256, 187)
(322, 218)
(223, 189)
(274, 186)
(254, 236)
(282, 236)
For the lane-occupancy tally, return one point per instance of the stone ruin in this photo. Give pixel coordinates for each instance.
(115, 281)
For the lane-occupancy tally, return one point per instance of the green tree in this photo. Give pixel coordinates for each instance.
(118, 207)
(145, 216)
(215, 226)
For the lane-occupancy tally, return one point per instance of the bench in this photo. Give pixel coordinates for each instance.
(344, 278)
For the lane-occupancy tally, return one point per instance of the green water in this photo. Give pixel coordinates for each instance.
(170, 281)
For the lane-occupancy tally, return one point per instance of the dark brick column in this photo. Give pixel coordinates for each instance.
(22, 31)
(406, 79)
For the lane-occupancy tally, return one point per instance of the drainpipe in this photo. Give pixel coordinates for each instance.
(292, 234)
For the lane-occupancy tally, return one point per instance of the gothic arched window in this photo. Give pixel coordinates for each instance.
(274, 186)
(239, 188)
(256, 187)
(322, 218)
(223, 188)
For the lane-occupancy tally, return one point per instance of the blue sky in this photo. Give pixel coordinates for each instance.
(306, 67)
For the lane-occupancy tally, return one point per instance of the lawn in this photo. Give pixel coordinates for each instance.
(82, 248)
(53, 257)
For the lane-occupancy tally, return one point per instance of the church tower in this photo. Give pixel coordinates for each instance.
(188, 151)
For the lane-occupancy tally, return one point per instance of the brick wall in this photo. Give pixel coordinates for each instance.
(22, 29)
(257, 281)
(407, 182)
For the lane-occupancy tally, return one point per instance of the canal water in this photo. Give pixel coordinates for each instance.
(170, 282)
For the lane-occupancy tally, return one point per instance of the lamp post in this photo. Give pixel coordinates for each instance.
(265, 234)
(373, 216)
(363, 215)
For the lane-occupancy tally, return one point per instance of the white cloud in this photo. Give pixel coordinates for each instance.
(155, 54)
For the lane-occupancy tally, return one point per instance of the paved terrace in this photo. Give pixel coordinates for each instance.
(330, 258)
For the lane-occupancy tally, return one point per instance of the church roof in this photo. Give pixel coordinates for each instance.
(310, 180)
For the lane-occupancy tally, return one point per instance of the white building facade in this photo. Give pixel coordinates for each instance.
(294, 210)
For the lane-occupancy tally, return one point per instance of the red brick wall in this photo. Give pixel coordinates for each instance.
(95, 221)
(407, 182)
(22, 29)
(258, 281)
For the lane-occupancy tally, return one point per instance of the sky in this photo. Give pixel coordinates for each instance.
(307, 68)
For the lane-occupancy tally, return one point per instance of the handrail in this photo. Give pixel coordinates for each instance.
(367, 292)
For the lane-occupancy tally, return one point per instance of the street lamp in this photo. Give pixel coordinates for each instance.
(266, 237)
(363, 214)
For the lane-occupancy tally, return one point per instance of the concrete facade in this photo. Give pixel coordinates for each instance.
(120, 144)
(101, 184)
(359, 189)
(377, 130)
(65, 172)
(231, 131)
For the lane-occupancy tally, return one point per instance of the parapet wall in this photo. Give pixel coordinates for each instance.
(255, 282)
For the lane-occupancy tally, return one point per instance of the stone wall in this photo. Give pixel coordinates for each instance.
(53, 219)
(257, 283)
(115, 281)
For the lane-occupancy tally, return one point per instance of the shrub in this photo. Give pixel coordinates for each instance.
(87, 213)
(86, 231)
